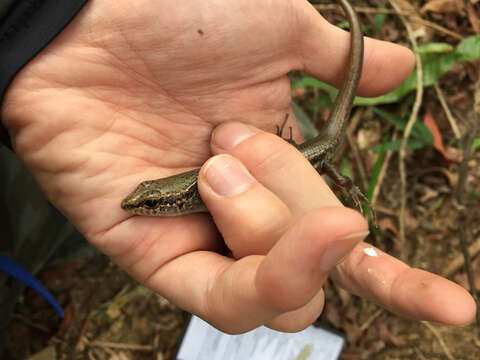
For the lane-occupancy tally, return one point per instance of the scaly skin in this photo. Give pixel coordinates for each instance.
(178, 194)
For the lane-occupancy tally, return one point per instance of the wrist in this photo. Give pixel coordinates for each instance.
(26, 27)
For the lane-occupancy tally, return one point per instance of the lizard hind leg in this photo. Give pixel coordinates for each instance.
(346, 184)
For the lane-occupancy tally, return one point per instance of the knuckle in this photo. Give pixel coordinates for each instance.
(267, 152)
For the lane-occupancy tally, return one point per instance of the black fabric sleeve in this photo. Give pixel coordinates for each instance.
(26, 28)
(5, 6)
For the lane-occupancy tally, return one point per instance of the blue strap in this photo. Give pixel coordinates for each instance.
(19, 273)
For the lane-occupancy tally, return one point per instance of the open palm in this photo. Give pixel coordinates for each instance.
(132, 91)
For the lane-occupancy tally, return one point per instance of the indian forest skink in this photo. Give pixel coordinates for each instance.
(178, 194)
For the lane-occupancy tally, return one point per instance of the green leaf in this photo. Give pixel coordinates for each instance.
(378, 22)
(346, 168)
(475, 196)
(435, 48)
(419, 131)
(393, 119)
(372, 182)
(469, 48)
(308, 81)
(322, 101)
(412, 144)
(437, 59)
(344, 25)
(476, 144)
(391, 97)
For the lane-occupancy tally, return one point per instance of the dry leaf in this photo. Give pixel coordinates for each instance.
(408, 6)
(411, 222)
(454, 154)
(431, 124)
(387, 224)
(462, 278)
(333, 315)
(428, 195)
(299, 92)
(66, 321)
(386, 334)
(47, 353)
(368, 137)
(451, 176)
(353, 331)
(474, 20)
(444, 6)
(460, 98)
(344, 295)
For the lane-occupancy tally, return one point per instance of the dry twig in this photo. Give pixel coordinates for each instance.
(448, 113)
(81, 338)
(460, 194)
(353, 145)
(414, 17)
(91, 356)
(30, 323)
(371, 319)
(435, 332)
(408, 129)
(419, 353)
(112, 345)
(382, 173)
(385, 210)
(459, 260)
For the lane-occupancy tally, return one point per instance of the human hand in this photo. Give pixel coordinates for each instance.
(132, 91)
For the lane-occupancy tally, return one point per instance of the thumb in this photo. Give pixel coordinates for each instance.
(324, 50)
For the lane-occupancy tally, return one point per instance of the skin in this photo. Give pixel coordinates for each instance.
(132, 91)
(178, 194)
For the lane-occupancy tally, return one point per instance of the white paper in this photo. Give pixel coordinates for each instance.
(204, 342)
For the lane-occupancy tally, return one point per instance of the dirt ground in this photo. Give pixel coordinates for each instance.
(110, 316)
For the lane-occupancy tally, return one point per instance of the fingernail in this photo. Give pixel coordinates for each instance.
(338, 250)
(230, 135)
(227, 176)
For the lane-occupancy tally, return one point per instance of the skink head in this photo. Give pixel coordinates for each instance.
(171, 196)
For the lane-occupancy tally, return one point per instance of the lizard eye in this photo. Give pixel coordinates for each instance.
(150, 204)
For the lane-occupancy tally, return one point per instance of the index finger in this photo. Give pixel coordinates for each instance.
(413, 293)
(277, 165)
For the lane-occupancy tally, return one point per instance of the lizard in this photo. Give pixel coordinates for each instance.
(178, 194)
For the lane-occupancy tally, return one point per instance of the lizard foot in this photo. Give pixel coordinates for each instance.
(345, 183)
(280, 130)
